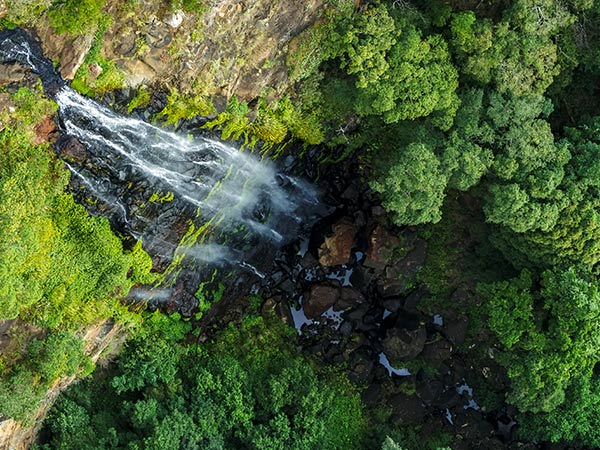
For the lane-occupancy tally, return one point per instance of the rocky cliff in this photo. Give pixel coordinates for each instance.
(229, 47)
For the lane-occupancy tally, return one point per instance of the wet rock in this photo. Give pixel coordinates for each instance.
(345, 329)
(337, 248)
(408, 409)
(356, 315)
(12, 73)
(73, 55)
(382, 245)
(73, 150)
(45, 131)
(348, 298)
(320, 298)
(455, 330)
(360, 278)
(402, 343)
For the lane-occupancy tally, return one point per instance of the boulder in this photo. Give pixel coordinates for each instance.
(45, 131)
(73, 54)
(320, 298)
(348, 298)
(401, 343)
(382, 245)
(337, 248)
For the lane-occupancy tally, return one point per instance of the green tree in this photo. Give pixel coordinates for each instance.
(412, 185)
(544, 350)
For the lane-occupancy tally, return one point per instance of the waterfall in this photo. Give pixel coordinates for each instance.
(180, 194)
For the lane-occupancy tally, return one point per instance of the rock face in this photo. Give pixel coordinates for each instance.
(337, 248)
(12, 73)
(45, 131)
(15, 436)
(69, 51)
(233, 47)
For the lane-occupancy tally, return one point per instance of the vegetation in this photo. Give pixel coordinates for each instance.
(246, 389)
(477, 128)
(60, 268)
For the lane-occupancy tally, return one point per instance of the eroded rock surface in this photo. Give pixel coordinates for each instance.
(337, 248)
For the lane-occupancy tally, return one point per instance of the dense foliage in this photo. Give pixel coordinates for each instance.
(491, 103)
(60, 269)
(247, 389)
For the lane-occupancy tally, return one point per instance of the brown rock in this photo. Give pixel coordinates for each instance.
(45, 131)
(382, 245)
(12, 73)
(73, 55)
(337, 248)
(320, 298)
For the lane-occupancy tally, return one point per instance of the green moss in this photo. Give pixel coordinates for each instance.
(76, 16)
(142, 98)
(181, 107)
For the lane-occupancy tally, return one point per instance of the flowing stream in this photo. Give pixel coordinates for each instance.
(158, 186)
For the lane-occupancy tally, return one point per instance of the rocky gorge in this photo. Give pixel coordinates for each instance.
(356, 287)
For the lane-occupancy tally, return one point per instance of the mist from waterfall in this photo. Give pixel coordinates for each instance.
(183, 196)
(232, 190)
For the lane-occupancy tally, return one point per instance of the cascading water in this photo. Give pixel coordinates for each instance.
(233, 191)
(184, 197)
